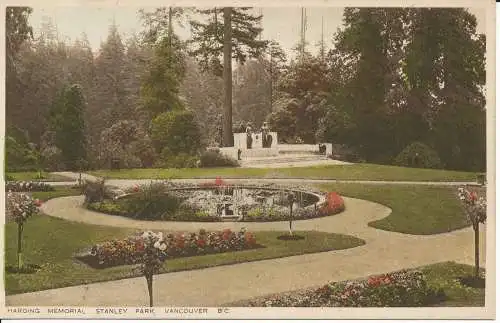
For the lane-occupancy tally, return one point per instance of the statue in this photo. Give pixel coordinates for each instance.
(249, 136)
(267, 139)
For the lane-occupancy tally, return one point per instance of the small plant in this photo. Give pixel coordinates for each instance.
(28, 186)
(20, 207)
(418, 155)
(152, 202)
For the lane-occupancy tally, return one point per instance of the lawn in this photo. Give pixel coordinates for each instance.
(34, 176)
(51, 243)
(415, 209)
(59, 191)
(339, 172)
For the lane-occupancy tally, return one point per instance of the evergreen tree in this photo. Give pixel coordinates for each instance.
(160, 89)
(229, 33)
(67, 122)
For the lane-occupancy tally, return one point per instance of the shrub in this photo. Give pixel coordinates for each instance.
(418, 155)
(152, 202)
(94, 191)
(52, 158)
(19, 156)
(28, 187)
(181, 160)
(177, 132)
(216, 159)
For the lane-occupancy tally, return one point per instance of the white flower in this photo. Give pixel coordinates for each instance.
(157, 245)
(163, 247)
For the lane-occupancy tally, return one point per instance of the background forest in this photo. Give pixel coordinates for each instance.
(394, 85)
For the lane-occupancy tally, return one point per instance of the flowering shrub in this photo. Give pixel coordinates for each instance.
(130, 251)
(334, 204)
(474, 205)
(28, 186)
(398, 289)
(20, 206)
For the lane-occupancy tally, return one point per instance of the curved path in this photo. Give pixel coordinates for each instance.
(384, 251)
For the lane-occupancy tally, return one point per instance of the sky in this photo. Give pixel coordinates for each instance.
(279, 23)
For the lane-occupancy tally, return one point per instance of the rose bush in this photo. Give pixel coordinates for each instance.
(27, 186)
(130, 250)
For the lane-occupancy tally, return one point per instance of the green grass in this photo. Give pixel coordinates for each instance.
(446, 276)
(415, 209)
(340, 172)
(51, 243)
(33, 176)
(59, 191)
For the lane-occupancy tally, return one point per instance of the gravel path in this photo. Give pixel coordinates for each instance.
(383, 252)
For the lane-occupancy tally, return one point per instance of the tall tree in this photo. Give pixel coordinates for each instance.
(67, 122)
(160, 89)
(232, 36)
(160, 22)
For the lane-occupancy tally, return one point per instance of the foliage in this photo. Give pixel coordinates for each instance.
(180, 160)
(30, 186)
(160, 88)
(131, 250)
(418, 155)
(52, 158)
(216, 159)
(177, 132)
(19, 155)
(67, 121)
(152, 202)
(475, 206)
(20, 207)
(406, 288)
(94, 191)
(126, 143)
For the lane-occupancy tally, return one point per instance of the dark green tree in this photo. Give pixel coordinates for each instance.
(228, 33)
(67, 121)
(160, 88)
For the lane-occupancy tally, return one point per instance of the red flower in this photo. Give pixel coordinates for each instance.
(218, 181)
(136, 188)
(200, 243)
(139, 245)
(38, 203)
(473, 196)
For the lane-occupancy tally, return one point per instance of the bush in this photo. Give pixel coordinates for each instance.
(182, 160)
(418, 155)
(216, 159)
(28, 187)
(152, 202)
(52, 158)
(94, 191)
(177, 132)
(20, 156)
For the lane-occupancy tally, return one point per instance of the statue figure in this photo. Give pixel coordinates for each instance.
(267, 139)
(249, 136)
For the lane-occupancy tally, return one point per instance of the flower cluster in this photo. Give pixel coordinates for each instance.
(334, 204)
(131, 250)
(29, 186)
(20, 206)
(403, 288)
(474, 205)
(217, 183)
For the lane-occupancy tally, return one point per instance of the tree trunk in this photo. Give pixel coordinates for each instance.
(20, 246)
(291, 214)
(271, 81)
(227, 127)
(149, 280)
(476, 250)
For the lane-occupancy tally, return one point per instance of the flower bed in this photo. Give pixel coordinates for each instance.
(129, 251)
(27, 186)
(398, 289)
(334, 204)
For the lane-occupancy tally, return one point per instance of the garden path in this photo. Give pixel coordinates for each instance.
(384, 251)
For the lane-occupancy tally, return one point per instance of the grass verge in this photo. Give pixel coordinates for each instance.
(416, 209)
(339, 172)
(34, 176)
(50, 243)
